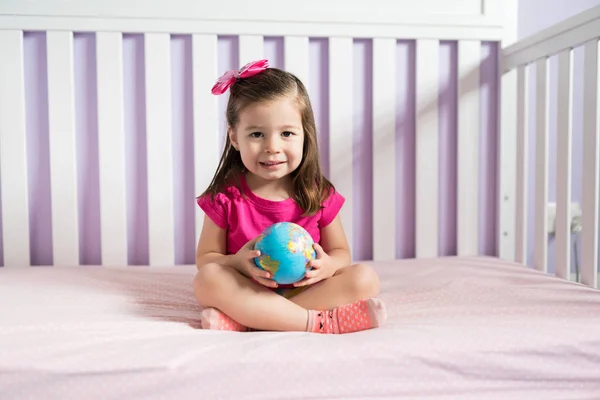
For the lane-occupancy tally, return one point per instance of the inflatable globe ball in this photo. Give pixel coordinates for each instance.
(285, 250)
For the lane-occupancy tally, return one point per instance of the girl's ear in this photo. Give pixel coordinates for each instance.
(233, 138)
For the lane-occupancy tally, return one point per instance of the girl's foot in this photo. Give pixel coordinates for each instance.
(353, 317)
(216, 320)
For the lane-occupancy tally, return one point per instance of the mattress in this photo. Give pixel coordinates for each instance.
(457, 328)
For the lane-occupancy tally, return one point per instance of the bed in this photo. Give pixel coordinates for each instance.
(464, 191)
(459, 327)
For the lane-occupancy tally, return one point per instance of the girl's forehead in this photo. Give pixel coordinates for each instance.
(280, 111)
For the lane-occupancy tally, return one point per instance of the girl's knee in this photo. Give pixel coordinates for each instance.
(365, 280)
(206, 282)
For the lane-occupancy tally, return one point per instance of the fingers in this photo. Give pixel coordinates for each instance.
(248, 251)
(262, 276)
(312, 273)
(318, 250)
(301, 282)
(310, 277)
(251, 243)
(313, 268)
(260, 273)
(313, 264)
(307, 281)
(266, 282)
(312, 281)
(253, 253)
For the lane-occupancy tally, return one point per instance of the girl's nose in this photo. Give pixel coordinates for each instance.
(272, 144)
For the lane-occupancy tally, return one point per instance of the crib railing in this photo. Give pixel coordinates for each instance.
(120, 192)
(519, 62)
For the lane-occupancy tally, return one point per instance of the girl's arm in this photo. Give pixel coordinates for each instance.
(212, 246)
(335, 244)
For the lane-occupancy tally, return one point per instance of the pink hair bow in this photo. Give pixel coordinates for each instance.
(229, 77)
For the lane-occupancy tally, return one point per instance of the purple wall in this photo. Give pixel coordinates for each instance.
(531, 20)
(87, 139)
(535, 15)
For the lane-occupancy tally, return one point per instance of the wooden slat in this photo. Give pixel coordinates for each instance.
(111, 148)
(541, 165)
(523, 110)
(157, 52)
(570, 32)
(564, 112)
(251, 48)
(63, 157)
(295, 56)
(206, 117)
(507, 140)
(340, 128)
(427, 143)
(591, 164)
(13, 152)
(506, 230)
(469, 59)
(384, 149)
(185, 21)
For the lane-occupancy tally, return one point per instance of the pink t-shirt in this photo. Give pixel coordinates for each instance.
(245, 218)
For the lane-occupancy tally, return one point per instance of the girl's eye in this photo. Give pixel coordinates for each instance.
(287, 134)
(255, 134)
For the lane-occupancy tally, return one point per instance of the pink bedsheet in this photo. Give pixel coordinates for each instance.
(458, 328)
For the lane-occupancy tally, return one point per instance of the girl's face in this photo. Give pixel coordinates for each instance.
(270, 138)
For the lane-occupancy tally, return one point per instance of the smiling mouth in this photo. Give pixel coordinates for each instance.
(271, 164)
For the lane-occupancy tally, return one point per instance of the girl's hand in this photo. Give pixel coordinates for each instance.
(323, 268)
(244, 263)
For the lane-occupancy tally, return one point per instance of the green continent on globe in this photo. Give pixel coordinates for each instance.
(269, 264)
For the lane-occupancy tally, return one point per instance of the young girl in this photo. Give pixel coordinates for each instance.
(270, 172)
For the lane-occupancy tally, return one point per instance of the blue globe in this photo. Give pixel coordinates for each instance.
(285, 250)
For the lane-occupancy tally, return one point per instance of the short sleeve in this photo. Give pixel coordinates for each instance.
(216, 209)
(331, 208)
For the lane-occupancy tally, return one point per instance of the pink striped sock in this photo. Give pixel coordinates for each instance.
(353, 317)
(216, 320)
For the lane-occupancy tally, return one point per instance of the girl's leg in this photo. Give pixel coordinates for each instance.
(245, 301)
(234, 302)
(345, 302)
(349, 284)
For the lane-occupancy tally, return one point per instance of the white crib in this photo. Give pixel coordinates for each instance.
(108, 131)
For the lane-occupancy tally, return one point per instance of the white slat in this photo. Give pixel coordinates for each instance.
(564, 112)
(206, 117)
(427, 142)
(570, 32)
(400, 19)
(111, 148)
(469, 58)
(251, 48)
(295, 57)
(340, 128)
(507, 157)
(523, 110)
(384, 148)
(541, 165)
(506, 231)
(591, 164)
(13, 152)
(161, 223)
(63, 157)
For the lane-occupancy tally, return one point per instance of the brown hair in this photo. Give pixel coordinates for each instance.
(310, 186)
